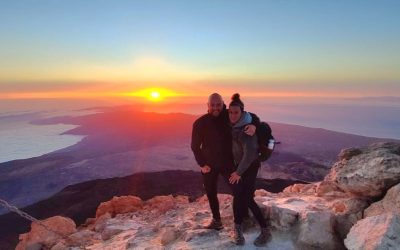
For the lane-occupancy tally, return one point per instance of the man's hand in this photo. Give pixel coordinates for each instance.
(205, 169)
(250, 129)
(235, 178)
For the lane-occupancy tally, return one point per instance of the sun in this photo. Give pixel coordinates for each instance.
(153, 94)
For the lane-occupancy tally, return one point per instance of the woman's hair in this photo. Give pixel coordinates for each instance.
(236, 101)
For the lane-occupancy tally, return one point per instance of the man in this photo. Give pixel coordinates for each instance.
(212, 148)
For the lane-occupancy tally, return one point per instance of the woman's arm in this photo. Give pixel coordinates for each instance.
(250, 153)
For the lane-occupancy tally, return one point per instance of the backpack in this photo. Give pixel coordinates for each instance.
(264, 135)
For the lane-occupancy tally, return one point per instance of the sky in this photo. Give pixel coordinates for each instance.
(80, 49)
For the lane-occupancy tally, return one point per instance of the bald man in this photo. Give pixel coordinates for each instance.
(212, 148)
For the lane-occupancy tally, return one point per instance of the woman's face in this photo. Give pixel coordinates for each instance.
(234, 114)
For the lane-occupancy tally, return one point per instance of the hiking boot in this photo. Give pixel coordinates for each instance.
(263, 238)
(238, 235)
(215, 224)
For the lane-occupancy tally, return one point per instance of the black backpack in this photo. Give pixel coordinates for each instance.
(264, 135)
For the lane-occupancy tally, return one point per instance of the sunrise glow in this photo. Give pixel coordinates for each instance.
(256, 57)
(153, 94)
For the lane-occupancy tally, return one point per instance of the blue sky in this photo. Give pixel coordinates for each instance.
(266, 45)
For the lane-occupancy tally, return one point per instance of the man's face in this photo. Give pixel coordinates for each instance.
(215, 105)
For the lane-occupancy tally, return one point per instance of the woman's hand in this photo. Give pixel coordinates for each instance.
(235, 178)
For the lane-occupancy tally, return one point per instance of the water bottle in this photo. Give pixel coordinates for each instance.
(271, 144)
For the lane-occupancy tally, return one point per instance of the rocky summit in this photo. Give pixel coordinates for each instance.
(356, 206)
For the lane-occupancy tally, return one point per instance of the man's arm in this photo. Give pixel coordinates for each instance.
(251, 128)
(255, 120)
(197, 135)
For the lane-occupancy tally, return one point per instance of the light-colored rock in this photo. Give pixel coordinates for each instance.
(317, 231)
(192, 234)
(390, 203)
(143, 232)
(60, 226)
(168, 235)
(349, 205)
(162, 204)
(34, 246)
(347, 213)
(375, 232)
(282, 218)
(101, 221)
(119, 205)
(295, 188)
(344, 222)
(369, 171)
(261, 192)
(109, 232)
(90, 221)
(82, 237)
(59, 246)
(328, 188)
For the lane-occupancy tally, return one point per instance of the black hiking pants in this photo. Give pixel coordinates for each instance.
(210, 182)
(243, 196)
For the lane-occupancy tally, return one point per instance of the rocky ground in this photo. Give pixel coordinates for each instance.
(357, 206)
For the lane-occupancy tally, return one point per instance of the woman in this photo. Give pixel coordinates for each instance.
(245, 154)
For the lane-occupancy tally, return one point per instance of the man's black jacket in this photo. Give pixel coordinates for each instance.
(212, 141)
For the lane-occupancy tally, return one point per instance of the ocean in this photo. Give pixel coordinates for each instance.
(19, 139)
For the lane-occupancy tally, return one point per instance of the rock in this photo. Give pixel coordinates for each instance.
(347, 154)
(368, 173)
(161, 203)
(59, 246)
(182, 199)
(261, 192)
(185, 225)
(101, 221)
(317, 231)
(109, 232)
(295, 188)
(34, 246)
(119, 205)
(192, 234)
(344, 222)
(144, 232)
(328, 188)
(349, 205)
(375, 232)
(60, 226)
(131, 244)
(282, 218)
(82, 238)
(390, 203)
(90, 221)
(168, 235)
(347, 213)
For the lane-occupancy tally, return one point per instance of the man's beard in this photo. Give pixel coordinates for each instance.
(215, 113)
